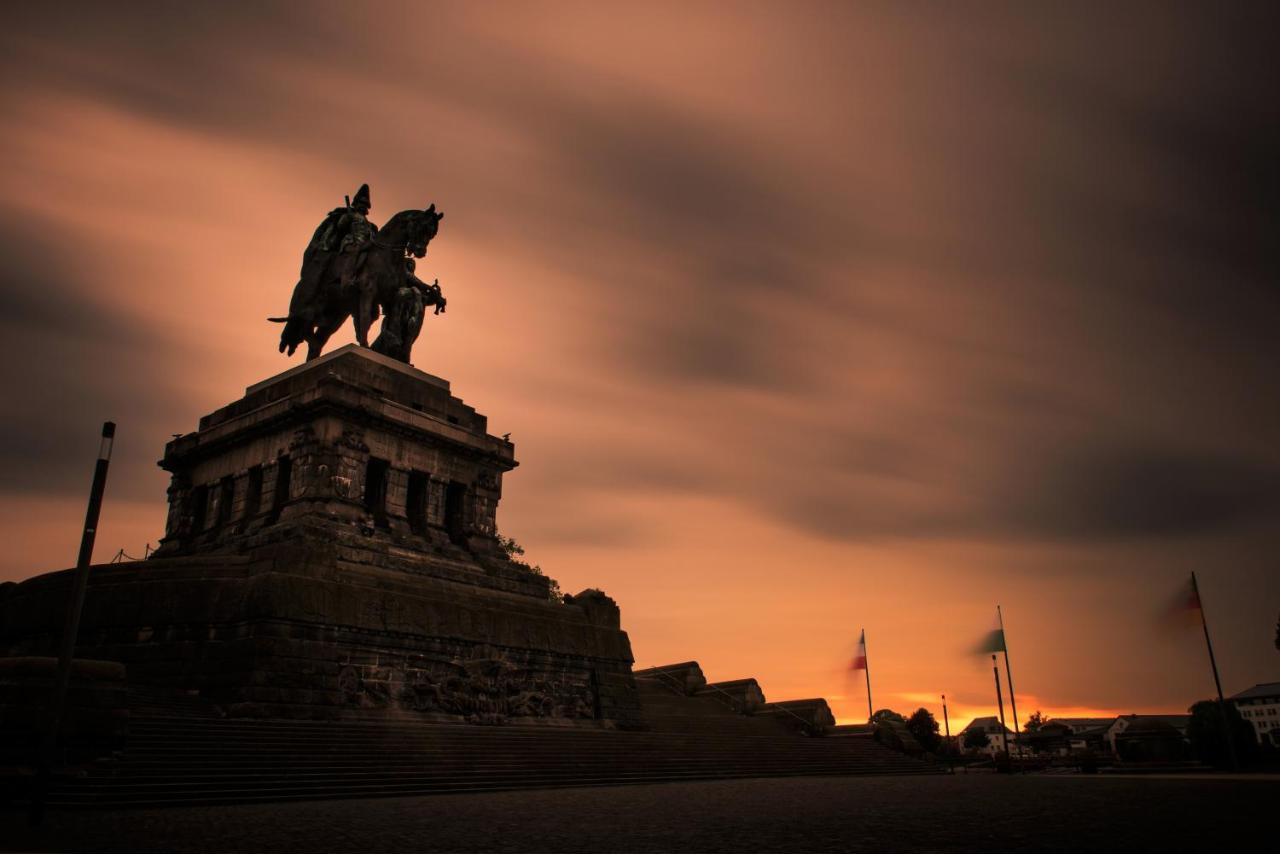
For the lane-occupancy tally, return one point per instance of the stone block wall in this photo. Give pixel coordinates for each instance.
(744, 696)
(685, 677)
(294, 635)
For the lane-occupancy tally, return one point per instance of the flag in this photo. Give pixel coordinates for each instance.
(992, 641)
(860, 659)
(1183, 608)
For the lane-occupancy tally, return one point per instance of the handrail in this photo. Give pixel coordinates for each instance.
(122, 555)
(807, 725)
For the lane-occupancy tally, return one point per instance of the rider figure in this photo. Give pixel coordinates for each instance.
(356, 233)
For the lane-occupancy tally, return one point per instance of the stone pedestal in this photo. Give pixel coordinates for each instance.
(331, 550)
(353, 439)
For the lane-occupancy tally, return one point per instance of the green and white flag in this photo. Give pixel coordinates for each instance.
(992, 641)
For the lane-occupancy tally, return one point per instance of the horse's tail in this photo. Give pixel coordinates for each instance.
(296, 329)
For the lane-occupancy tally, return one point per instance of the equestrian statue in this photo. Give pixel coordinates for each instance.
(352, 268)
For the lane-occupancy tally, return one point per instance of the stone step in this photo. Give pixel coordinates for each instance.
(250, 739)
(159, 798)
(173, 775)
(266, 775)
(169, 765)
(231, 746)
(176, 757)
(462, 735)
(164, 763)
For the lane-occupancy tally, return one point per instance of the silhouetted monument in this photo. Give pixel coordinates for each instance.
(352, 268)
(331, 549)
(331, 546)
(331, 552)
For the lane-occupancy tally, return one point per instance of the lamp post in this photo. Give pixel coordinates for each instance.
(71, 626)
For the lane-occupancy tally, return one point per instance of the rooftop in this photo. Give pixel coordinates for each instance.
(1083, 723)
(988, 724)
(1263, 690)
(1173, 720)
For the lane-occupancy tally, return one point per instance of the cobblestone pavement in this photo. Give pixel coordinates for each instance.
(975, 813)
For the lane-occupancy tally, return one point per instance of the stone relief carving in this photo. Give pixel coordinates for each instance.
(328, 470)
(349, 683)
(341, 486)
(302, 437)
(353, 439)
(484, 688)
(179, 520)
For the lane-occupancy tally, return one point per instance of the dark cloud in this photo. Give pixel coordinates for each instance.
(718, 237)
(199, 64)
(1141, 491)
(69, 360)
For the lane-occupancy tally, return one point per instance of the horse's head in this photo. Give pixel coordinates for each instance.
(424, 226)
(413, 229)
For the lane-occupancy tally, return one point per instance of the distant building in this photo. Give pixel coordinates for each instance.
(1148, 738)
(995, 733)
(1050, 737)
(1122, 724)
(1260, 706)
(1084, 734)
(1082, 725)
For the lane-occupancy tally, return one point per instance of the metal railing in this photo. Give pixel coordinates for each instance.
(122, 555)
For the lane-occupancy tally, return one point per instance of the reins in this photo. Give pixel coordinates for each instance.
(392, 246)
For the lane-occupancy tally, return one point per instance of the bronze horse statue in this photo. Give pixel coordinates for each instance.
(356, 284)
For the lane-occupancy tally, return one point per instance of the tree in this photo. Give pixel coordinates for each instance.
(976, 739)
(515, 552)
(883, 715)
(924, 727)
(1204, 731)
(1034, 722)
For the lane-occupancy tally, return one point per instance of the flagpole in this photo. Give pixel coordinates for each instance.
(1013, 703)
(867, 671)
(1004, 730)
(1226, 723)
(946, 721)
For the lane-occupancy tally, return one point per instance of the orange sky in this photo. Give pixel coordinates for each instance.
(802, 321)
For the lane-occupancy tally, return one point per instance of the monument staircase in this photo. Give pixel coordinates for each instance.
(181, 752)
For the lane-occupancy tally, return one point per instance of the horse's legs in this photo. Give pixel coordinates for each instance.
(364, 314)
(321, 334)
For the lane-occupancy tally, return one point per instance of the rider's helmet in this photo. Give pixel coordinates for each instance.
(361, 198)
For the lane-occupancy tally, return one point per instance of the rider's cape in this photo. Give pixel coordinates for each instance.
(324, 241)
(324, 238)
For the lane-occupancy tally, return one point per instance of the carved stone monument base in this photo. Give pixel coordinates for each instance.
(331, 551)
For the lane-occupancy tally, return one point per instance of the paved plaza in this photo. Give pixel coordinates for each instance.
(974, 813)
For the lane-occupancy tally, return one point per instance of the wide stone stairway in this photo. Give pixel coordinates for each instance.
(181, 753)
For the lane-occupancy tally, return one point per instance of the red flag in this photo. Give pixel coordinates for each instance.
(1183, 609)
(860, 659)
